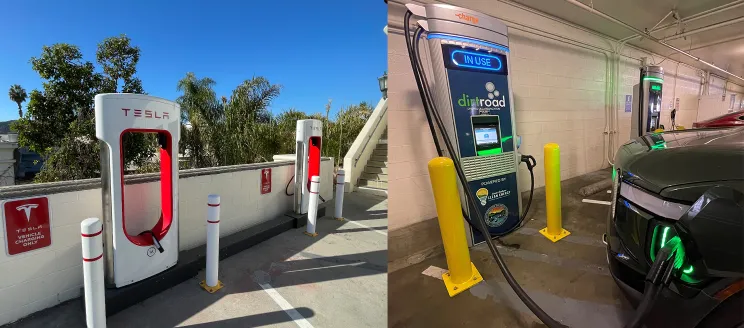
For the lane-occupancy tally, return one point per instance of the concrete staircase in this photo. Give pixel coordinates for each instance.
(374, 178)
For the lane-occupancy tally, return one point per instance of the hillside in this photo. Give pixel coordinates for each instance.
(5, 126)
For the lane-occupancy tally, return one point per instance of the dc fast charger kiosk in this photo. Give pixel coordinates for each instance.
(132, 257)
(308, 135)
(646, 111)
(469, 54)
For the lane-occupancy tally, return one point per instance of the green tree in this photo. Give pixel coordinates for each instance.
(286, 127)
(200, 115)
(59, 122)
(18, 95)
(344, 129)
(235, 130)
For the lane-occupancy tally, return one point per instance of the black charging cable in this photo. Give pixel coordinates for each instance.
(659, 276)
(155, 240)
(286, 190)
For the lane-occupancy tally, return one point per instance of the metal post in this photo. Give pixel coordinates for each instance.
(554, 230)
(211, 283)
(462, 273)
(312, 206)
(93, 284)
(338, 211)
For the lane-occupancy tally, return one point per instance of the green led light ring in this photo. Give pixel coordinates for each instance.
(653, 79)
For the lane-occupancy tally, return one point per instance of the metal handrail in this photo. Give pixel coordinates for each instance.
(369, 135)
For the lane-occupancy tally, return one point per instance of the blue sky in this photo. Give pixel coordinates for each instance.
(315, 49)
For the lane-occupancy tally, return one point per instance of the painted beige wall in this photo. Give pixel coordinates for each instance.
(559, 93)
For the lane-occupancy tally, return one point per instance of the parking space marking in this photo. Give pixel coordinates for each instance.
(288, 308)
(366, 227)
(592, 201)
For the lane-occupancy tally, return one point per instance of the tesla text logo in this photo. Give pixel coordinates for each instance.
(467, 18)
(492, 100)
(146, 113)
(27, 210)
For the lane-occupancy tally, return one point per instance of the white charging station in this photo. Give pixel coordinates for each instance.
(134, 257)
(307, 163)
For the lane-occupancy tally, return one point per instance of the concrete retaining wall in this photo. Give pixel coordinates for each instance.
(40, 279)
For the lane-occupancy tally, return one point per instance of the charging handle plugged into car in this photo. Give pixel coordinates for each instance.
(669, 261)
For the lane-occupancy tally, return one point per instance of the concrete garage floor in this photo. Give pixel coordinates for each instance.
(568, 279)
(337, 279)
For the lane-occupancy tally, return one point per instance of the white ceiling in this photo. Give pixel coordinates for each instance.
(644, 14)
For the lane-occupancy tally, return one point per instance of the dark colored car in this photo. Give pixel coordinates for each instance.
(690, 184)
(730, 119)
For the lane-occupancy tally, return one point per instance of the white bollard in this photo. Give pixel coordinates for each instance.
(312, 206)
(95, 293)
(338, 211)
(211, 283)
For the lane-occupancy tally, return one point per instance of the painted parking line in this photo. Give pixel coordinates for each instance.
(366, 227)
(288, 308)
(592, 201)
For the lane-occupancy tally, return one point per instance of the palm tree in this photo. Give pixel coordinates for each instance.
(18, 95)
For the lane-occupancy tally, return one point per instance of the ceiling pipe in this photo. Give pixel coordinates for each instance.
(704, 28)
(691, 18)
(648, 36)
(715, 42)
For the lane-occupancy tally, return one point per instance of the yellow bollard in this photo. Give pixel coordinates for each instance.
(554, 231)
(462, 273)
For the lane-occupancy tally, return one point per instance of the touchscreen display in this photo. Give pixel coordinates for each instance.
(487, 135)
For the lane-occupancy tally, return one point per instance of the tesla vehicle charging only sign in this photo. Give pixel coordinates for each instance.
(26, 223)
(265, 181)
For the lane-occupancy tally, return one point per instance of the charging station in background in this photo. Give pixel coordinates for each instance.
(134, 256)
(470, 60)
(646, 112)
(309, 137)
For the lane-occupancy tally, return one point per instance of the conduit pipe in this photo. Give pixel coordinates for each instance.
(623, 24)
(703, 14)
(705, 28)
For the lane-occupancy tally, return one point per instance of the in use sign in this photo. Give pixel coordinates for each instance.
(265, 181)
(27, 225)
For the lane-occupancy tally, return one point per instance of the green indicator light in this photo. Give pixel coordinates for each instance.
(688, 270)
(653, 79)
(493, 151)
(614, 173)
(664, 236)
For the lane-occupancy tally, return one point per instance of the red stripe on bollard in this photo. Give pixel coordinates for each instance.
(91, 235)
(218, 221)
(213, 205)
(93, 259)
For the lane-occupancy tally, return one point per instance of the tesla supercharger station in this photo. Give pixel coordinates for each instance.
(646, 110)
(307, 164)
(134, 256)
